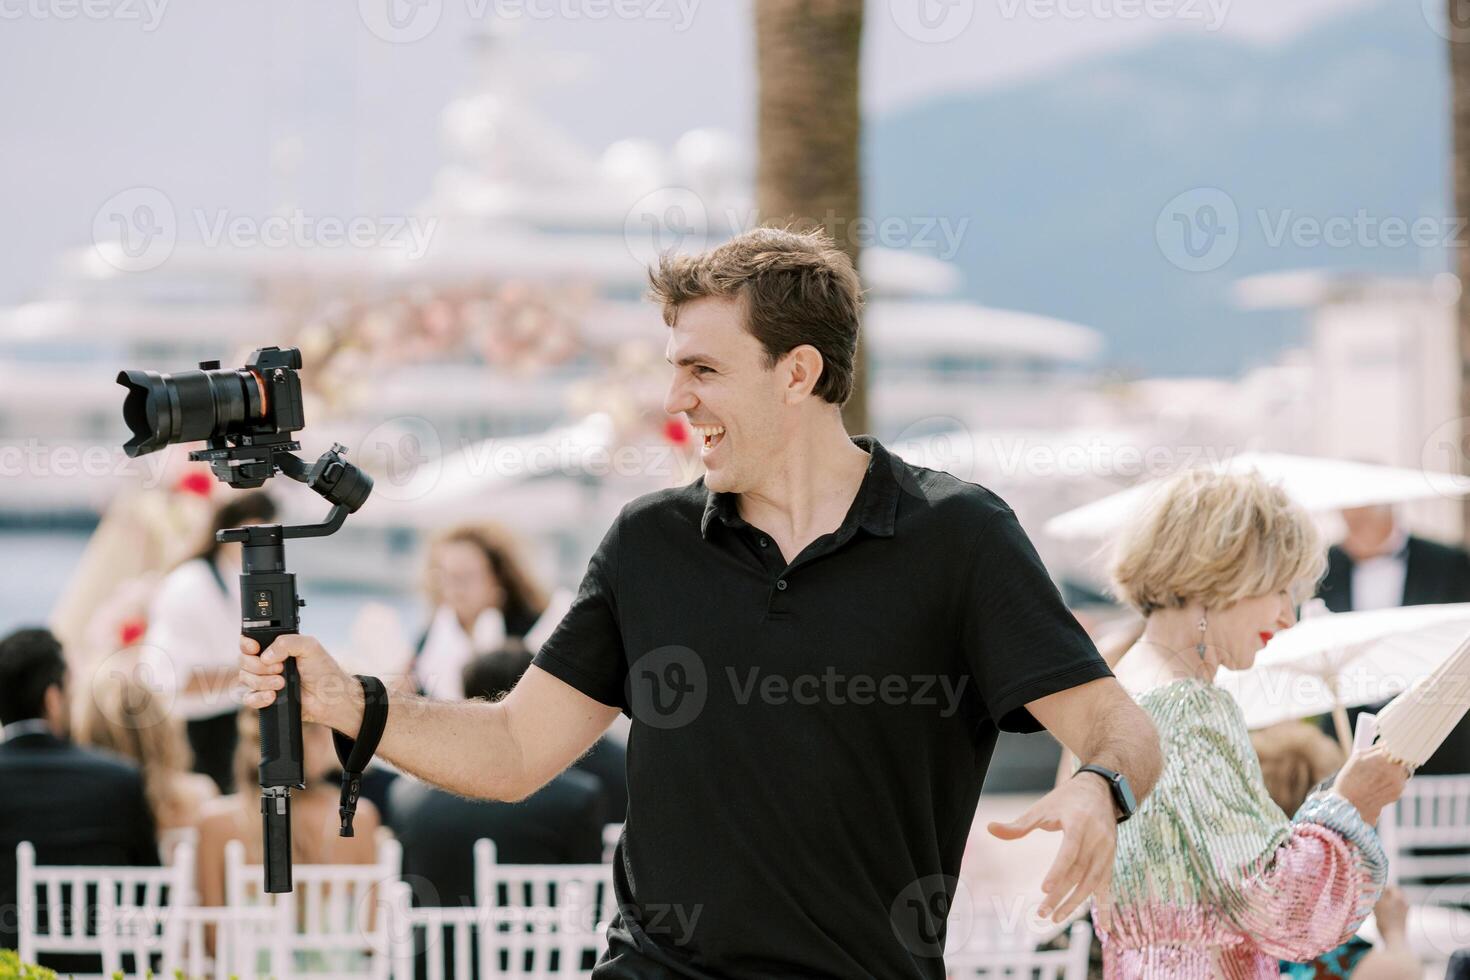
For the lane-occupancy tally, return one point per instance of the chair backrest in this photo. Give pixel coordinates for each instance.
(1427, 839)
(123, 915)
(611, 833)
(334, 921)
(508, 943)
(978, 962)
(549, 919)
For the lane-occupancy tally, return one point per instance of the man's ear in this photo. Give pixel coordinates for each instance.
(804, 366)
(54, 705)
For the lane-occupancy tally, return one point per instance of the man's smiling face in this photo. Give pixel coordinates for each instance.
(724, 387)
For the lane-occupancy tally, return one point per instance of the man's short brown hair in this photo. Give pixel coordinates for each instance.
(796, 287)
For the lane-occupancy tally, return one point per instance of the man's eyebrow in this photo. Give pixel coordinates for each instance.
(689, 359)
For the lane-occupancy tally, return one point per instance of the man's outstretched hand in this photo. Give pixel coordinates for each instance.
(329, 695)
(1082, 809)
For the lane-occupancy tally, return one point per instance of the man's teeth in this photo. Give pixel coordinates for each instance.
(708, 432)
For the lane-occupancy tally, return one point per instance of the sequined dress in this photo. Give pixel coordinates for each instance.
(1211, 879)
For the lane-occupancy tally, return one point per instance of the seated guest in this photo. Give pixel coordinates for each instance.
(561, 823)
(314, 818)
(482, 594)
(127, 717)
(75, 805)
(1295, 756)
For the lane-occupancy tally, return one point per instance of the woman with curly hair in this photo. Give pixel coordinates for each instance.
(482, 595)
(1211, 878)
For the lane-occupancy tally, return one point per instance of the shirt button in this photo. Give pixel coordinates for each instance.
(765, 542)
(781, 584)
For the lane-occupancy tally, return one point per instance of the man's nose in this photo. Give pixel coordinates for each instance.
(678, 399)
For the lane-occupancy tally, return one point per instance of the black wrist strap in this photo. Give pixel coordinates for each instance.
(355, 754)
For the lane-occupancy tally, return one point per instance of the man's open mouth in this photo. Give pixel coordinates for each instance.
(710, 436)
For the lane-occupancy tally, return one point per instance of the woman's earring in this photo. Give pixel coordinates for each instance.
(1199, 648)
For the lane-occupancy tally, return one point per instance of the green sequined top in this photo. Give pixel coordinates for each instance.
(1211, 878)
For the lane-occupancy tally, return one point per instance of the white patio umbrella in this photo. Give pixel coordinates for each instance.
(1333, 661)
(1317, 483)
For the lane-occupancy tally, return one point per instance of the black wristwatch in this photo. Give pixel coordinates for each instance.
(1123, 801)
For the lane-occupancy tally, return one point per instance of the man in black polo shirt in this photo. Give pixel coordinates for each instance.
(816, 644)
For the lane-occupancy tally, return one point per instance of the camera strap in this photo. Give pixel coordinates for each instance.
(355, 754)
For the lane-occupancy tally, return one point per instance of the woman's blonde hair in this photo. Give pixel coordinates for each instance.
(1215, 539)
(126, 716)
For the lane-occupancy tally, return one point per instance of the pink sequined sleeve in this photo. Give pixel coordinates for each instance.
(1296, 888)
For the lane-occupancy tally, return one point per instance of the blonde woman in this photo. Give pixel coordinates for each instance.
(1211, 879)
(122, 714)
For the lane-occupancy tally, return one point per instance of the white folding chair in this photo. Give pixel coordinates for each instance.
(123, 915)
(981, 961)
(610, 836)
(544, 912)
(1432, 815)
(333, 923)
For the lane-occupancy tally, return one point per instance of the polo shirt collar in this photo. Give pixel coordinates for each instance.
(875, 507)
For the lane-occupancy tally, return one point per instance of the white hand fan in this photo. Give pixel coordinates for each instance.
(1415, 723)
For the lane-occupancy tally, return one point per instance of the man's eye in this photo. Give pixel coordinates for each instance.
(703, 369)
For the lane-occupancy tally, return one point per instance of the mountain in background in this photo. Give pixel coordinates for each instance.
(1063, 178)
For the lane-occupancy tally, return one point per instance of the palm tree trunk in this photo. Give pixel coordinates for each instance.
(1460, 165)
(807, 54)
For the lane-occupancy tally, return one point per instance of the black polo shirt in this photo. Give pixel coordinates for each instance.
(809, 738)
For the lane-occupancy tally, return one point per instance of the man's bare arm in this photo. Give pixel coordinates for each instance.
(501, 751)
(1101, 724)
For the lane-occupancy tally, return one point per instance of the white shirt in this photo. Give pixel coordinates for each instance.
(194, 625)
(439, 668)
(1378, 583)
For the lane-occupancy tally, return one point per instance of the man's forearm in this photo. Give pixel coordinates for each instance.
(1124, 739)
(465, 747)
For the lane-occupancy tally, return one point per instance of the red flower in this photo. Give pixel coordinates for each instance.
(676, 431)
(196, 482)
(131, 631)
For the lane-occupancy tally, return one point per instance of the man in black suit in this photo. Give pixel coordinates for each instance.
(1379, 565)
(561, 823)
(75, 805)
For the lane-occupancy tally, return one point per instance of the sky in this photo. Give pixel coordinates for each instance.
(206, 100)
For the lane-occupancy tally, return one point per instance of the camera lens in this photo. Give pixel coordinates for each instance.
(161, 409)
